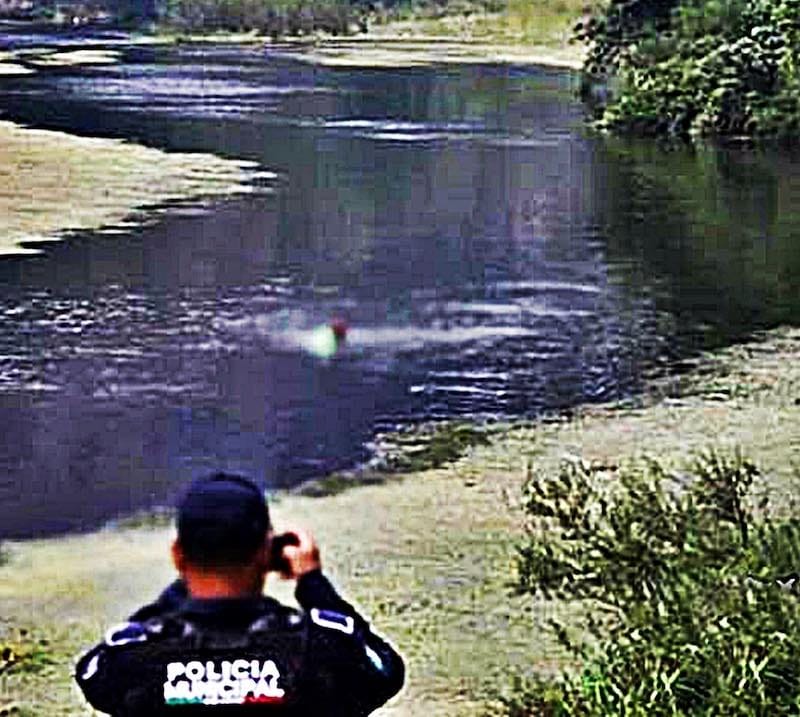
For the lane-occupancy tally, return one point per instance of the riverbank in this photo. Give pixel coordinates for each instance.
(525, 33)
(428, 556)
(53, 183)
(395, 45)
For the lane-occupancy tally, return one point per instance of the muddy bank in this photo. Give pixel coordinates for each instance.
(428, 556)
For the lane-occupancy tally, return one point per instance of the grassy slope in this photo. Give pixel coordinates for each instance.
(528, 22)
(535, 32)
(427, 558)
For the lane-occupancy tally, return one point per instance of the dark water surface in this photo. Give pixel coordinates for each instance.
(492, 259)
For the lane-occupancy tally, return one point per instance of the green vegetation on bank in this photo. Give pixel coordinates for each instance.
(341, 32)
(678, 68)
(273, 18)
(410, 450)
(513, 21)
(688, 588)
(520, 22)
(505, 22)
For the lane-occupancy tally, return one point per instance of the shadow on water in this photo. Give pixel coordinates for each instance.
(491, 260)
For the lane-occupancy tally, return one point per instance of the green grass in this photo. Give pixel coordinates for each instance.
(274, 18)
(537, 22)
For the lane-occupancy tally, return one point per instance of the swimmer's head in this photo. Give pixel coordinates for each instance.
(339, 328)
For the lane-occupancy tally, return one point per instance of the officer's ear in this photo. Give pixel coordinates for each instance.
(178, 557)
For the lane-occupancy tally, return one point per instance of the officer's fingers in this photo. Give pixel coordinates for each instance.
(307, 542)
(304, 541)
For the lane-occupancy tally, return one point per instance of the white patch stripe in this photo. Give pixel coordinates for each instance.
(91, 668)
(348, 625)
(113, 641)
(374, 657)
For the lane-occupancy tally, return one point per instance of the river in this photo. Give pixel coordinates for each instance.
(492, 258)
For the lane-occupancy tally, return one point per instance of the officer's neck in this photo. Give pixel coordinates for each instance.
(206, 584)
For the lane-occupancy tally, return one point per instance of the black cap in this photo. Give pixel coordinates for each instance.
(222, 520)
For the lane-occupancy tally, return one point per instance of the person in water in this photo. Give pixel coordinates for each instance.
(326, 340)
(213, 644)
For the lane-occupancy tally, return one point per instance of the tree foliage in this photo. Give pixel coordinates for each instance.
(724, 68)
(677, 577)
(277, 18)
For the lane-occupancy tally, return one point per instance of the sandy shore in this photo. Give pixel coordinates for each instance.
(415, 51)
(428, 558)
(52, 182)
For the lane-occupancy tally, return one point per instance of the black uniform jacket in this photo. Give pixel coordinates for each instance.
(255, 656)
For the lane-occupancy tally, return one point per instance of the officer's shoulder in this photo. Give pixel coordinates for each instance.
(145, 626)
(132, 632)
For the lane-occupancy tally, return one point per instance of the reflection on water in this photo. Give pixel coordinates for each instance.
(716, 228)
(489, 258)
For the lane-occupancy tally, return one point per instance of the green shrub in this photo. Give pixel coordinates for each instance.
(725, 68)
(678, 576)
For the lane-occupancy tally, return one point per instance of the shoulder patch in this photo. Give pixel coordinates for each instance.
(333, 620)
(125, 634)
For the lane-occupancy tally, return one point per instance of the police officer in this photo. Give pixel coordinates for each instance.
(213, 644)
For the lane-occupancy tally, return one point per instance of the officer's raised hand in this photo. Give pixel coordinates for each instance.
(294, 554)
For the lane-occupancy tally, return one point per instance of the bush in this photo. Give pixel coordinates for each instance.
(698, 67)
(687, 609)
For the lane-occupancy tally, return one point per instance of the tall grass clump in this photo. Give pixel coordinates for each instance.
(685, 584)
(526, 22)
(682, 68)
